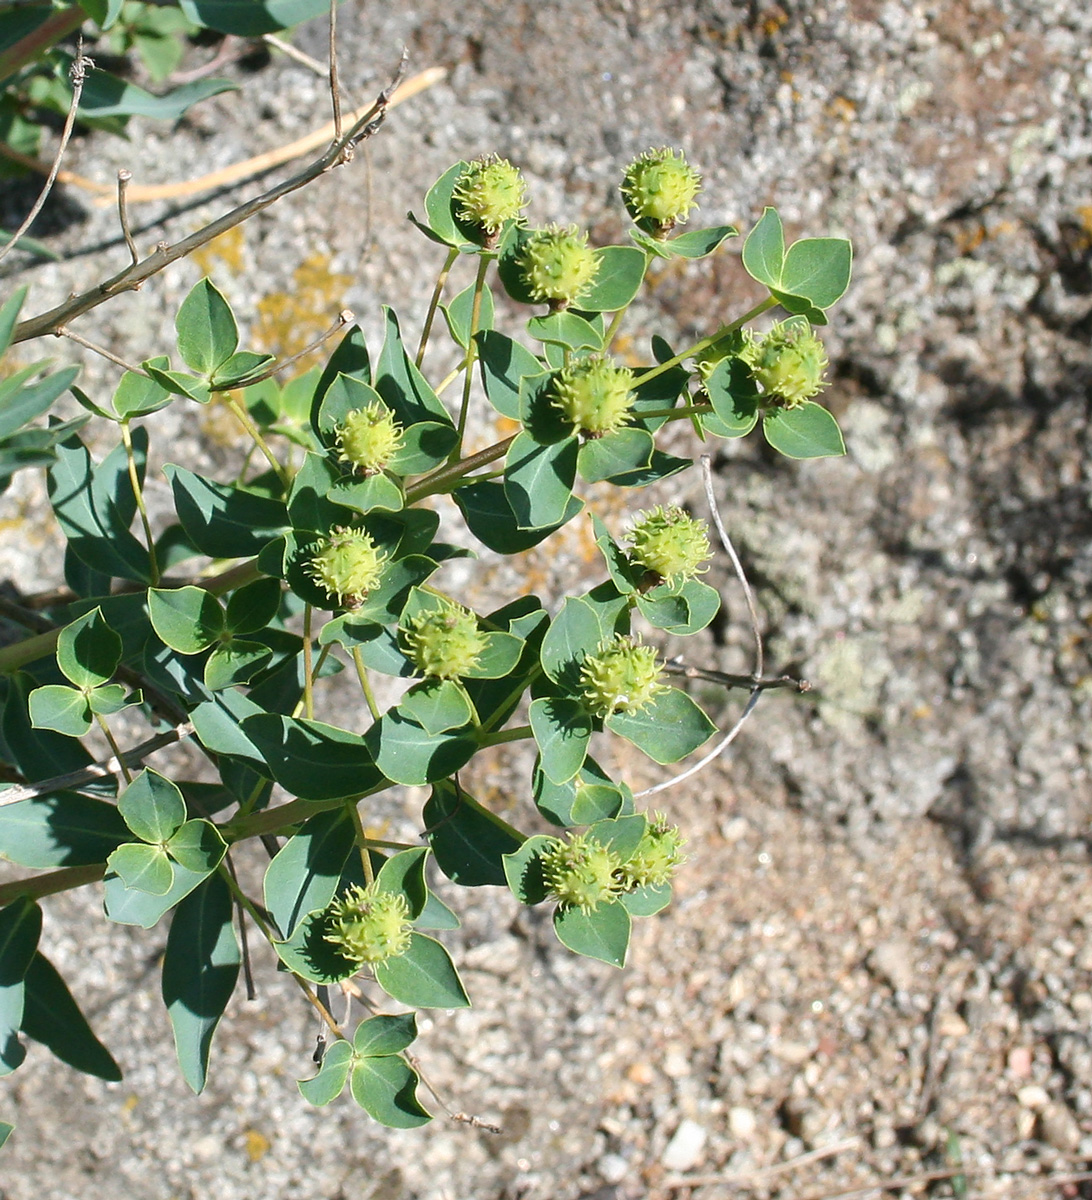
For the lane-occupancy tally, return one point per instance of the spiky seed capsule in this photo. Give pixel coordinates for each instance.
(444, 643)
(670, 543)
(622, 677)
(489, 192)
(369, 437)
(659, 188)
(657, 855)
(580, 873)
(557, 265)
(367, 925)
(788, 362)
(595, 394)
(347, 565)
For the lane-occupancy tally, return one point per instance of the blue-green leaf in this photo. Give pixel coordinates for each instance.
(60, 830)
(805, 432)
(764, 249)
(106, 95)
(523, 869)
(423, 977)
(51, 1016)
(303, 876)
(562, 729)
(468, 841)
(602, 933)
(152, 806)
(407, 753)
(386, 1089)
(330, 1081)
(142, 868)
(223, 521)
(670, 728)
(20, 929)
(503, 364)
(60, 709)
(313, 760)
(207, 333)
(384, 1035)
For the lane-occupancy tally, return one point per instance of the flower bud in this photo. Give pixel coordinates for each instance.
(594, 394)
(347, 565)
(622, 677)
(657, 855)
(367, 925)
(579, 873)
(659, 189)
(788, 362)
(669, 543)
(369, 437)
(557, 265)
(489, 192)
(444, 643)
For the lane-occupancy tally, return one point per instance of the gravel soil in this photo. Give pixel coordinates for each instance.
(878, 970)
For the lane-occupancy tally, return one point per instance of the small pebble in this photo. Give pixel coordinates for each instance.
(893, 961)
(612, 1168)
(1033, 1096)
(742, 1122)
(1058, 1128)
(684, 1150)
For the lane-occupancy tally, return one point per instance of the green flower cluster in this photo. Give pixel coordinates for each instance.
(368, 438)
(669, 543)
(659, 189)
(624, 676)
(595, 394)
(444, 643)
(347, 565)
(367, 925)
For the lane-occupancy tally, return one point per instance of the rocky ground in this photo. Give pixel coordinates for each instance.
(880, 962)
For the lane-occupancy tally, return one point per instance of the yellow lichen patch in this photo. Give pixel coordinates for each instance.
(289, 321)
(226, 251)
(257, 1145)
(842, 108)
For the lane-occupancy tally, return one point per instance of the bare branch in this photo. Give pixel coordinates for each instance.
(290, 51)
(100, 350)
(124, 178)
(335, 88)
(677, 667)
(76, 780)
(345, 317)
(366, 124)
(77, 73)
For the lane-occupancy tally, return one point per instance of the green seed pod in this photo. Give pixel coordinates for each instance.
(557, 265)
(347, 565)
(489, 192)
(368, 438)
(444, 643)
(657, 855)
(788, 362)
(622, 677)
(595, 394)
(579, 873)
(368, 926)
(669, 543)
(659, 189)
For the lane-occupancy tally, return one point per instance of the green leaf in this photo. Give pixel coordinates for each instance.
(142, 868)
(562, 729)
(60, 709)
(503, 364)
(437, 705)
(197, 846)
(669, 729)
(682, 612)
(138, 395)
(408, 754)
(20, 929)
(523, 869)
(188, 619)
(330, 1081)
(252, 18)
(591, 796)
(308, 954)
(223, 521)
(312, 760)
(238, 369)
(438, 207)
(371, 492)
(344, 395)
(235, 663)
(52, 1017)
(386, 1088)
(152, 807)
(128, 906)
(403, 874)
(90, 503)
(179, 383)
(401, 384)
(498, 658)
(9, 316)
(217, 724)
(303, 877)
(468, 841)
(764, 249)
(207, 333)
(492, 520)
(817, 269)
(23, 403)
(105, 95)
(646, 901)
(253, 607)
(733, 393)
(566, 329)
(662, 466)
(200, 968)
(384, 1035)
(60, 830)
(805, 432)
(424, 446)
(88, 650)
(6, 1131)
(538, 480)
(617, 453)
(460, 311)
(622, 834)
(602, 933)
(621, 273)
(436, 915)
(697, 243)
(574, 633)
(423, 977)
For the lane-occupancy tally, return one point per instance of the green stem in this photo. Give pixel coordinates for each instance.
(439, 480)
(138, 495)
(308, 666)
(448, 380)
(683, 410)
(115, 748)
(519, 733)
(514, 694)
(247, 423)
(434, 303)
(30, 649)
(705, 343)
(37, 886)
(362, 843)
(365, 685)
(484, 260)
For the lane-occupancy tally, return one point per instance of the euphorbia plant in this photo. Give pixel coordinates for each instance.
(325, 556)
